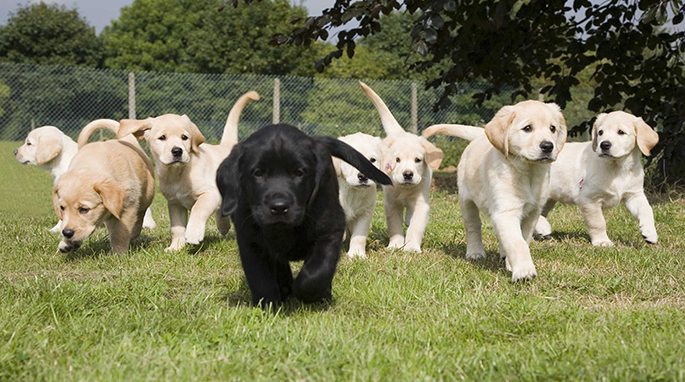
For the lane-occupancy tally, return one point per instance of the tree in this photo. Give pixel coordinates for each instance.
(635, 50)
(205, 36)
(49, 34)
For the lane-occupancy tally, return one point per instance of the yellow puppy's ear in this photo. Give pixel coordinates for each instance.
(48, 148)
(55, 203)
(497, 130)
(137, 127)
(336, 166)
(196, 138)
(112, 197)
(646, 137)
(598, 122)
(433, 155)
(563, 129)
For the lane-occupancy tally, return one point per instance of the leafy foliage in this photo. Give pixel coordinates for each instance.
(49, 34)
(204, 36)
(634, 49)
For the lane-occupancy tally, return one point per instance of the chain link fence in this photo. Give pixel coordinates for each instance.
(70, 97)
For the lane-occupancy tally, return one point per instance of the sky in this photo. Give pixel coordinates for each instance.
(99, 13)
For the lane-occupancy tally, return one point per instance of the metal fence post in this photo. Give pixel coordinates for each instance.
(277, 101)
(131, 95)
(414, 109)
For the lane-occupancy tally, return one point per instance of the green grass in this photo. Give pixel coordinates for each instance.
(611, 313)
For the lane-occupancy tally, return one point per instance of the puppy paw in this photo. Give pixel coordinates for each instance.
(603, 243)
(194, 236)
(475, 255)
(412, 247)
(523, 272)
(149, 223)
(355, 253)
(650, 237)
(396, 243)
(176, 245)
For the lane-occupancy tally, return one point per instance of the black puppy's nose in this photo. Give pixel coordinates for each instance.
(176, 151)
(606, 145)
(279, 207)
(546, 147)
(407, 175)
(362, 178)
(68, 233)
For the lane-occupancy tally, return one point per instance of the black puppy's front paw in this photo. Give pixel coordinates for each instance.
(312, 292)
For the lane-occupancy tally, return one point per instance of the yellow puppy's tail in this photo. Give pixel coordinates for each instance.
(95, 125)
(462, 131)
(230, 135)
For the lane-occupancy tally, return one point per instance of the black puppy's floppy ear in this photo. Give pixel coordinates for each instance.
(228, 181)
(342, 150)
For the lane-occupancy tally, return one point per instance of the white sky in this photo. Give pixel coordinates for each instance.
(100, 13)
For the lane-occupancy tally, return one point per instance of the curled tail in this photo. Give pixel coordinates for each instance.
(95, 125)
(462, 131)
(230, 135)
(390, 124)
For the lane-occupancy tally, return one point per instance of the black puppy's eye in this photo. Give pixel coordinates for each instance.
(184, 137)
(553, 129)
(299, 172)
(621, 132)
(162, 138)
(397, 160)
(600, 132)
(372, 160)
(257, 173)
(83, 210)
(527, 128)
(417, 160)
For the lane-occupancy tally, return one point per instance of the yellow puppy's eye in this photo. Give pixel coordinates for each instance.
(372, 160)
(553, 129)
(417, 160)
(397, 160)
(184, 137)
(527, 128)
(162, 138)
(600, 132)
(61, 208)
(83, 210)
(621, 132)
(28, 143)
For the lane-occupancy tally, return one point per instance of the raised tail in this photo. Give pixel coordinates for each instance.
(230, 135)
(95, 125)
(462, 131)
(390, 124)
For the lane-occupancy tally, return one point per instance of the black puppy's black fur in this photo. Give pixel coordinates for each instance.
(280, 189)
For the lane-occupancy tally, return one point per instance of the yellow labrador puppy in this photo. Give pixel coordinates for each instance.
(52, 150)
(108, 183)
(186, 167)
(357, 193)
(409, 160)
(504, 173)
(603, 173)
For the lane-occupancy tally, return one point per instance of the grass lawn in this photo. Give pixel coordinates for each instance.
(591, 314)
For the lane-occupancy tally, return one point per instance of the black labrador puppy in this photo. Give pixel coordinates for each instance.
(280, 189)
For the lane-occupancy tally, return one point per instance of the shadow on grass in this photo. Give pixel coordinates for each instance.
(491, 262)
(102, 247)
(243, 297)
